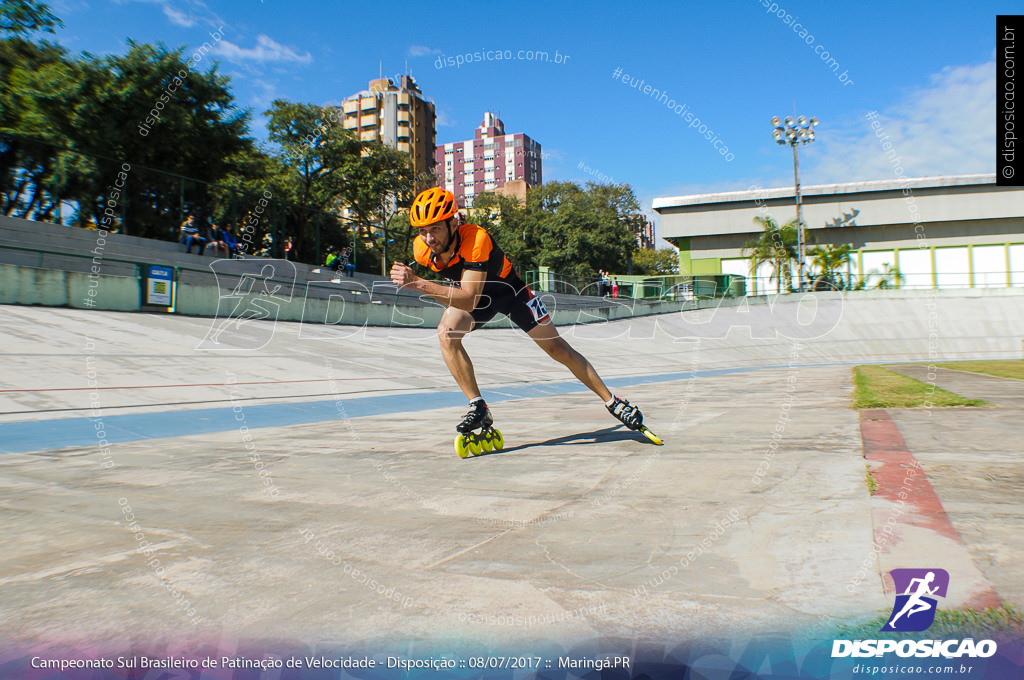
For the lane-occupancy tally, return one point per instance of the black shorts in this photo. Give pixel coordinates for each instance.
(524, 308)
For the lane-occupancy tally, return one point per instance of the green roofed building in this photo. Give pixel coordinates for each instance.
(938, 232)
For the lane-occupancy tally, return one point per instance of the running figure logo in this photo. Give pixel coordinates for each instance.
(258, 290)
(914, 610)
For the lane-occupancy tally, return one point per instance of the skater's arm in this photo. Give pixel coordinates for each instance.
(464, 298)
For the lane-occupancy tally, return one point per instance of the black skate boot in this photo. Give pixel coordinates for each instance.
(479, 416)
(469, 443)
(631, 417)
(628, 414)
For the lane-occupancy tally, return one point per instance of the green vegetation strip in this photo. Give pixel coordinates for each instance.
(870, 481)
(1000, 369)
(949, 623)
(876, 387)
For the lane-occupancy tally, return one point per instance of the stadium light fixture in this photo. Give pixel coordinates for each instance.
(795, 133)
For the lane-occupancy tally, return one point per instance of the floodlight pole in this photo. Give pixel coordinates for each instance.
(794, 133)
(799, 214)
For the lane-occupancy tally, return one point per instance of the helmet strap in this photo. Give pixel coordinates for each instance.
(451, 237)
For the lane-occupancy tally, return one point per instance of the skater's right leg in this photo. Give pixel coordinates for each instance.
(455, 325)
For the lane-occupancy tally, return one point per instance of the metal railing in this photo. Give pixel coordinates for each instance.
(671, 287)
(766, 285)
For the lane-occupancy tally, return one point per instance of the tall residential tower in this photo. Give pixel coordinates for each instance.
(398, 116)
(488, 162)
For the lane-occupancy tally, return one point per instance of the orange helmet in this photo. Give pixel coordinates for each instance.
(432, 205)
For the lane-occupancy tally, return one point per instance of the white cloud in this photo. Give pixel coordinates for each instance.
(266, 50)
(552, 155)
(944, 128)
(421, 51)
(196, 11)
(178, 17)
(444, 120)
(63, 8)
(262, 100)
(718, 187)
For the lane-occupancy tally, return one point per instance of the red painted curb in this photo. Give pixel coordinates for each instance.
(902, 480)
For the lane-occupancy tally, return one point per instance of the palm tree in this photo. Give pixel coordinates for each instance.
(828, 259)
(889, 277)
(776, 245)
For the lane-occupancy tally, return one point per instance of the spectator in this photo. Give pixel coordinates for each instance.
(332, 261)
(350, 269)
(615, 288)
(289, 248)
(190, 235)
(217, 244)
(227, 236)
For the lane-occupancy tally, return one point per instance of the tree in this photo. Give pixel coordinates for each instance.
(828, 260)
(19, 17)
(313, 167)
(777, 246)
(379, 185)
(314, 151)
(181, 120)
(507, 221)
(888, 277)
(573, 230)
(622, 221)
(247, 198)
(578, 231)
(75, 122)
(661, 262)
(29, 176)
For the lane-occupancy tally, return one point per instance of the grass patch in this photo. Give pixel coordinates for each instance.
(870, 481)
(949, 623)
(875, 387)
(1000, 369)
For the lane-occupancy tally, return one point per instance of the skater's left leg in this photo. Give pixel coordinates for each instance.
(546, 336)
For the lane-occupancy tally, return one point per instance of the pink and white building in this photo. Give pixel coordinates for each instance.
(488, 162)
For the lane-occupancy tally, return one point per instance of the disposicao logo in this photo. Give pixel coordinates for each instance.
(913, 612)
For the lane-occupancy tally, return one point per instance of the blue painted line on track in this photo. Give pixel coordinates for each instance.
(60, 433)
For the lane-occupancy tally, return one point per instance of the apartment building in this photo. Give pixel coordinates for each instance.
(397, 115)
(487, 162)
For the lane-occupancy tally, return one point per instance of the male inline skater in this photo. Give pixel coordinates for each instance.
(488, 284)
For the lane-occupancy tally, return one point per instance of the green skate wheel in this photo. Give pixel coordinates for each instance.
(486, 444)
(475, 445)
(650, 435)
(498, 441)
(461, 447)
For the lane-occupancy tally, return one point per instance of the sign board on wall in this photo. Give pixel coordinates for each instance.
(159, 282)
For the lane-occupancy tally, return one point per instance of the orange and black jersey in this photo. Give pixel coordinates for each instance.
(475, 250)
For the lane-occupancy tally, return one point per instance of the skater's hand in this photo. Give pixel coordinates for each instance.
(401, 275)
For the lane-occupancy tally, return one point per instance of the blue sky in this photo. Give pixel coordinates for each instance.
(927, 68)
